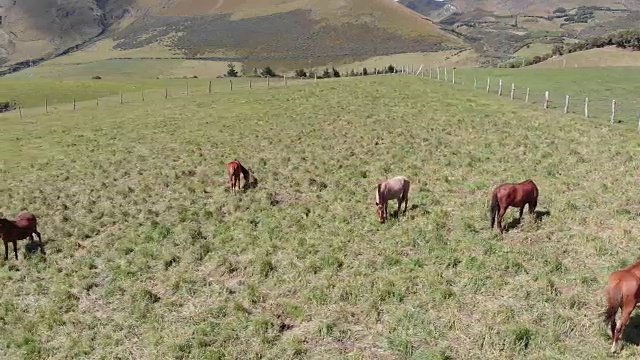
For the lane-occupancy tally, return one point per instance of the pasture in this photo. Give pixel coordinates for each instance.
(600, 84)
(150, 256)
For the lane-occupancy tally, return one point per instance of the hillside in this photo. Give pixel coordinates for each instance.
(499, 28)
(311, 32)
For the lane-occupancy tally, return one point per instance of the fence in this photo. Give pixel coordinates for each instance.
(621, 107)
(51, 103)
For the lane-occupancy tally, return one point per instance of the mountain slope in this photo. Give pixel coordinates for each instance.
(311, 30)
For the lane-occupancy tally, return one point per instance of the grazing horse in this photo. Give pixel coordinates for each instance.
(25, 225)
(512, 194)
(395, 188)
(623, 291)
(234, 169)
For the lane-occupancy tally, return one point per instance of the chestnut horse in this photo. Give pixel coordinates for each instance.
(234, 169)
(512, 194)
(25, 225)
(623, 291)
(396, 188)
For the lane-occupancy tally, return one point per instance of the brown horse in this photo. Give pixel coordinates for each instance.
(25, 225)
(623, 291)
(234, 169)
(396, 188)
(511, 194)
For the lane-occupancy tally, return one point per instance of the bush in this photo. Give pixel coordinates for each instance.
(268, 72)
(560, 10)
(301, 73)
(231, 72)
(97, 77)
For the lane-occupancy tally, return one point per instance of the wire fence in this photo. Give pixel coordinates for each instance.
(55, 103)
(621, 105)
(598, 99)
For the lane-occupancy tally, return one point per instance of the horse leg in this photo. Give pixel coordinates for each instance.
(15, 248)
(406, 201)
(627, 309)
(503, 210)
(532, 206)
(399, 206)
(6, 250)
(35, 231)
(521, 211)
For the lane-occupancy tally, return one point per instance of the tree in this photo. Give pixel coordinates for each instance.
(352, 73)
(336, 73)
(391, 69)
(365, 72)
(232, 70)
(326, 73)
(301, 73)
(560, 10)
(267, 72)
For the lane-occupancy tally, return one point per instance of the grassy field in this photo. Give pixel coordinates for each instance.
(600, 84)
(32, 92)
(150, 256)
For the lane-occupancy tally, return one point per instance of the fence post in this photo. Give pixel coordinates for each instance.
(546, 100)
(315, 77)
(97, 101)
(513, 90)
(586, 108)
(613, 110)
(438, 70)
(142, 92)
(285, 80)
(74, 103)
(526, 98)
(488, 83)
(187, 91)
(446, 78)
(638, 122)
(268, 77)
(453, 76)
(475, 82)
(250, 84)
(566, 104)
(120, 96)
(430, 73)
(46, 105)
(20, 111)
(209, 86)
(500, 88)
(166, 93)
(230, 85)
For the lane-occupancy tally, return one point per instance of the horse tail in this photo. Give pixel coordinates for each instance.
(378, 194)
(614, 298)
(493, 208)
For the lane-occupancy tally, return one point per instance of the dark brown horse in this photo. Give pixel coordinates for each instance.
(234, 169)
(511, 194)
(623, 291)
(25, 225)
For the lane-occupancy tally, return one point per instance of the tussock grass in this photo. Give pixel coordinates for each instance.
(150, 256)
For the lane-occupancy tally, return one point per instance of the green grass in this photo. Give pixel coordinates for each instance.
(32, 92)
(150, 256)
(600, 85)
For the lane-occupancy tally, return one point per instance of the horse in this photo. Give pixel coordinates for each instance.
(512, 194)
(623, 291)
(25, 225)
(234, 169)
(396, 188)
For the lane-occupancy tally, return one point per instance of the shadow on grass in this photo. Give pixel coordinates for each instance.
(537, 216)
(631, 332)
(34, 247)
